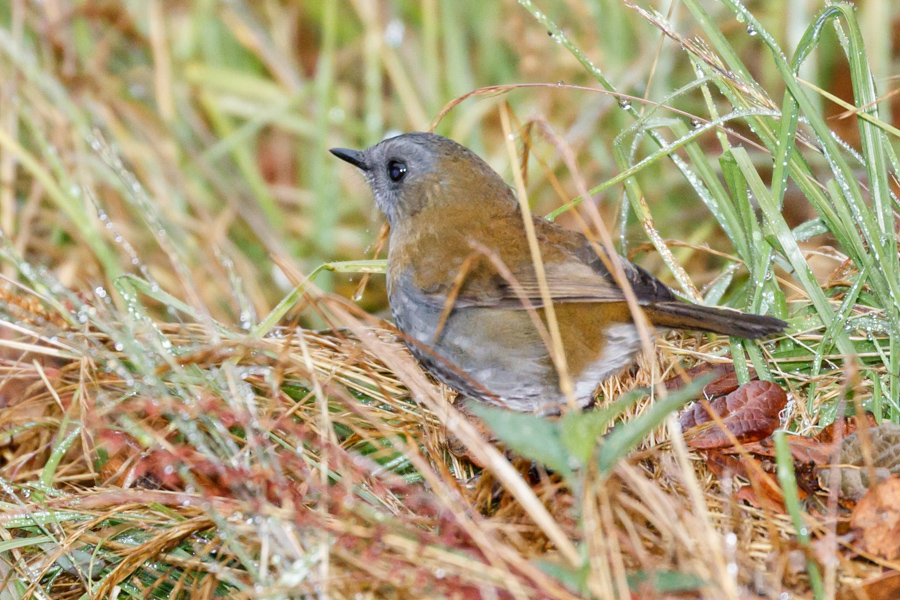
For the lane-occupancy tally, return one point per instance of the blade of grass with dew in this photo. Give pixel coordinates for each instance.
(775, 221)
(738, 357)
(877, 228)
(167, 299)
(666, 150)
(809, 229)
(704, 80)
(800, 171)
(737, 185)
(60, 447)
(67, 202)
(716, 197)
(763, 274)
(840, 319)
(38, 518)
(289, 301)
(25, 542)
(554, 30)
(641, 210)
(730, 220)
(715, 291)
(788, 481)
(712, 194)
(876, 404)
(840, 212)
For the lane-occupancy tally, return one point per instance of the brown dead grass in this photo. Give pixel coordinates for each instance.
(205, 487)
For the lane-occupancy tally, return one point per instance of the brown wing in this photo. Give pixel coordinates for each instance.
(574, 273)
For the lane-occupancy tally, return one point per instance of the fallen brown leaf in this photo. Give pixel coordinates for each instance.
(829, 432)
(877, 519)
(724, 379)
(803, 449)
(749, 413)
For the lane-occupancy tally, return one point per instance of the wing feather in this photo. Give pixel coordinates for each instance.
(581, 276)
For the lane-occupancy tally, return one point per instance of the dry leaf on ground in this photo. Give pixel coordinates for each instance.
(877, 519)
(833, 433)
(749, 413)
(725, 381)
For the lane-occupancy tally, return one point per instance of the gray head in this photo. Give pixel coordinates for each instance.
(411, 170)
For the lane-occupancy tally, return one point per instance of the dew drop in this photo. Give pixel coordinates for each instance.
(137, 90)
(393, 33)
(336, 114)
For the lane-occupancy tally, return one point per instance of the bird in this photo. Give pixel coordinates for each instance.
(464, 292)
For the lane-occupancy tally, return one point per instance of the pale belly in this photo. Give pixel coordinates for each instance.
(498, 356)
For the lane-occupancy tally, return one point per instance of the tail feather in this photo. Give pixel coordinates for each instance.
(681, 315)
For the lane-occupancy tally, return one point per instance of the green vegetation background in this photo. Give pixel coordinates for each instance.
(224, 111)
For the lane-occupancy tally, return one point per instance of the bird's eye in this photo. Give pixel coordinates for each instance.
(396, 170)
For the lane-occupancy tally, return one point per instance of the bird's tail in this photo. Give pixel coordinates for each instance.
(681, 315)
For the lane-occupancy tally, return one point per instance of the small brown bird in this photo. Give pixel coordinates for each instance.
(466, 322)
